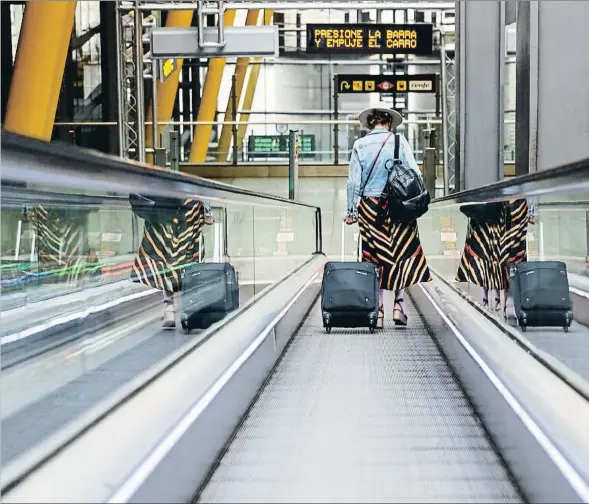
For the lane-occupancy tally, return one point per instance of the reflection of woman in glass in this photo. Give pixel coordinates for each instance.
(167, 247)
(62, 244)
(518, 213)
(395, 247)
(482, 261)
(514, 248)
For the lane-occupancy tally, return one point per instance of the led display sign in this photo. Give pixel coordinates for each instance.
(370, 39)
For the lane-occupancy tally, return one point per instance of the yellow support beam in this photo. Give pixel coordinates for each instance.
(38, 69)
(168, 89)
(250, 90)
(240, 72)
(208, 102)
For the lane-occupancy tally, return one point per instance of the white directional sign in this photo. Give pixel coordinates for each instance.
(239, 41)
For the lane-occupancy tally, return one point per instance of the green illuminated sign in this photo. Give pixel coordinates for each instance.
(277, 145)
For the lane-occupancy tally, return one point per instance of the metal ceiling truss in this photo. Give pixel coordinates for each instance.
(448, 66)
(294, 5)
(134, 21)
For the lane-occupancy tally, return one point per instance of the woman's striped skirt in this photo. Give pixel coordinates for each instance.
(167, 248)
(394, 246)
(482, 263)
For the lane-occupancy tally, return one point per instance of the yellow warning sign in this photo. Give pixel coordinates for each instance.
(401, 85)
(357, 85)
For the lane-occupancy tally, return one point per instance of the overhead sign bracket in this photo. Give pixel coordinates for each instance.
(240, 41)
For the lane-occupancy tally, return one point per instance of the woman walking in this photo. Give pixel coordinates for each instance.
(394, 246)
(167, 247)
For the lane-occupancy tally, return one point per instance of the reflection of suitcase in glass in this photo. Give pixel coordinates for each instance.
(540, 292)
(210, 291)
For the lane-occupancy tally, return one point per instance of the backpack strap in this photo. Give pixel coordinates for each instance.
(397, 159)
(374, 164)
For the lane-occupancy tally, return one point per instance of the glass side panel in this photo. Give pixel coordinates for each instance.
(99, 288)
(478, 258)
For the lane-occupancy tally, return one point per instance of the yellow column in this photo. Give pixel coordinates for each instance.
(38, 68)
(167, 90)
(240, 71)
(250, 90)
(208, 102)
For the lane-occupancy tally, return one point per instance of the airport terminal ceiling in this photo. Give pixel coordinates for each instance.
(294, 90)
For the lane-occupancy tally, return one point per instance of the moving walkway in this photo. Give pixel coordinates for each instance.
(265, 406)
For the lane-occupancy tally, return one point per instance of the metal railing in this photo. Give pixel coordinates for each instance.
(333, 143)
(567, 178)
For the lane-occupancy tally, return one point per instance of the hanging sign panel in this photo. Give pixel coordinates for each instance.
(370, 39)
(416, 83)
(276, 145)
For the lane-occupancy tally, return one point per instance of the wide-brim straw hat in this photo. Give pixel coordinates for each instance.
(397, 118)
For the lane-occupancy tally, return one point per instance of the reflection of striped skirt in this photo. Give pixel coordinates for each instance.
(61, 243)
(395, 247)
(481, 262)
(168, 247)
(516, 229)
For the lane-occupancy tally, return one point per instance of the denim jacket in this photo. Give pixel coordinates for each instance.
(363, 153)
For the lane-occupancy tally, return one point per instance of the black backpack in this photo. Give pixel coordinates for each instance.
(406, 195)
(490, 213)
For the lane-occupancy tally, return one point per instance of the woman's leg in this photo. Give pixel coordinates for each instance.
(485, 297)
(399, 310)
(497, 299)
(380, 319)
(169, 311)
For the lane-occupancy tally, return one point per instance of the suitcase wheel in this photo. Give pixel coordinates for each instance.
(327, 322)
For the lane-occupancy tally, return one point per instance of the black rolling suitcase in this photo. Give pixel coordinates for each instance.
(209, 292)
(349, 295)
(540, 292)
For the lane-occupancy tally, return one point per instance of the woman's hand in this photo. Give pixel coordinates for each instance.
(532, 220)
(350, 219)
(209, 219)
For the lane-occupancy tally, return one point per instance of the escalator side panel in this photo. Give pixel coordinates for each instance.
(525, 408)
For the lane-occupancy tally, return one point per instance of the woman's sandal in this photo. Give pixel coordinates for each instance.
(399, 316)
(380, 319)
(485, 303)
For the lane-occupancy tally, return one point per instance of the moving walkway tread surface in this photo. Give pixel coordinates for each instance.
(359, 417)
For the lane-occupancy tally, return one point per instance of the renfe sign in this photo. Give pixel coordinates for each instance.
(415, 83)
